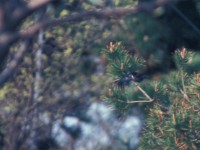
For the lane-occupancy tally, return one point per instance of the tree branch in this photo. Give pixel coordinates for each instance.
(34, 4)
(12, 66)
(31, 7)
(98, 14)
(14, 18)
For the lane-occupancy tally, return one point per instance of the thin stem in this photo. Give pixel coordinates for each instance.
(138, 101)
(38, 58)
(182, 76)
(186, 19)
(133, 101)
(184, 92)
(143, 92)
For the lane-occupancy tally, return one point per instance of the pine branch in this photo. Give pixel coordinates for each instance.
(126, 68)
(183, 54)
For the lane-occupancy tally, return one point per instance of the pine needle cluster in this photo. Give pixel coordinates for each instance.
(172, 104)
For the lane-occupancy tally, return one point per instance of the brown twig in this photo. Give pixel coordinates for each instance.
(98, 14)
(13, 64)
(134, 101)
(143, 92)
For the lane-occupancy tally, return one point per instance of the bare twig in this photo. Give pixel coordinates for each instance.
(12, 66)
(34, 4)
(38, 63)
(186, 19)
(134, 101)
(98, 14)
(138, 101)
(12, 15)
(143, 92)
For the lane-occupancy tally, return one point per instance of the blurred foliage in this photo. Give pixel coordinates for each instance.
(73, 71)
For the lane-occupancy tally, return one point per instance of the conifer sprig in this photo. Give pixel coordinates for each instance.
(182, 58)
(124, 69)
(120, 62)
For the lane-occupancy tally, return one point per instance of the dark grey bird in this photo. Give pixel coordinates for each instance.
(130, 77)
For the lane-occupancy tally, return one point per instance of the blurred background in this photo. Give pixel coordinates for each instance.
(69, 112)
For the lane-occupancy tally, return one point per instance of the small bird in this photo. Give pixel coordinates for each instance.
(130, 77)
(138, 76)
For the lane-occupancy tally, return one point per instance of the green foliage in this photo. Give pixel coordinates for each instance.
(182, 58)
(172, 118)
(175, 126)
(120, 62)
(121, 65)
